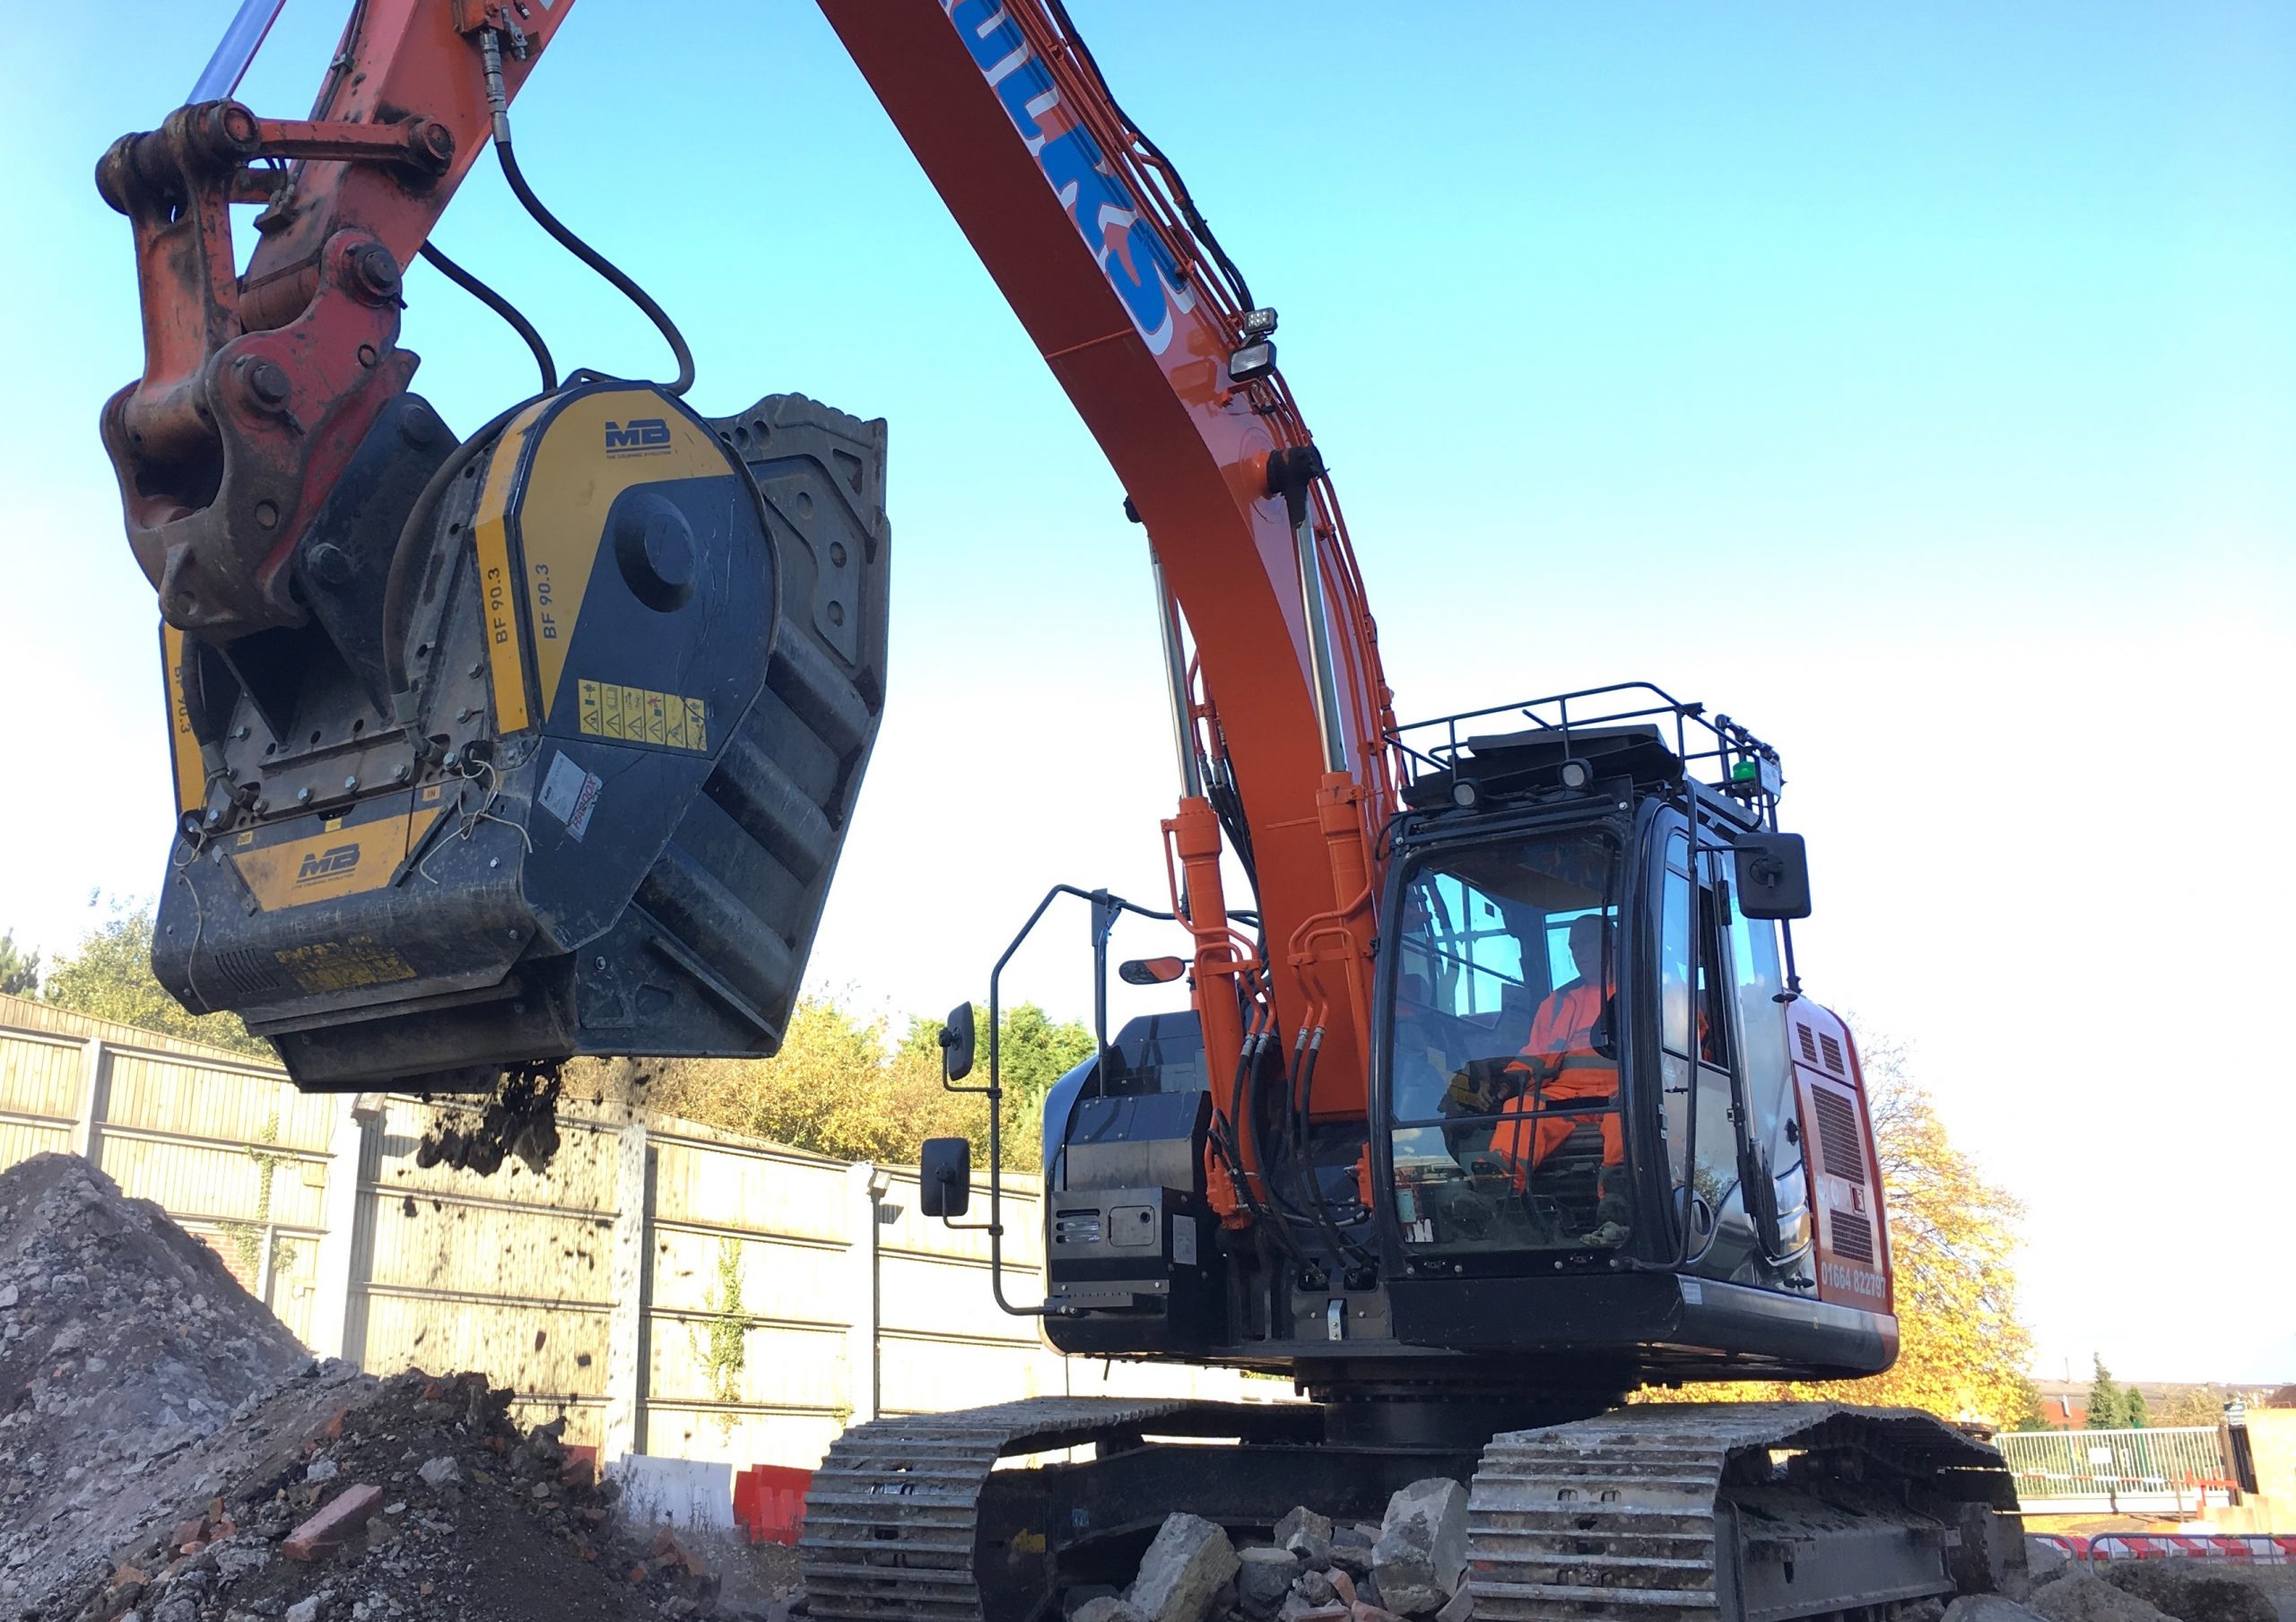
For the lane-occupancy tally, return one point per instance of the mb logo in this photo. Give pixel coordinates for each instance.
(637, 434)
(322, 864)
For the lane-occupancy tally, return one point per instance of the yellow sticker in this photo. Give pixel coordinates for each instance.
(640, 715)
(337, 965)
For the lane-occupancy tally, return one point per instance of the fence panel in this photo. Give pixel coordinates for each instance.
(2171, 1467)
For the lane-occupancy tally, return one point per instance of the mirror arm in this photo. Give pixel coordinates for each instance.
(1106, 909)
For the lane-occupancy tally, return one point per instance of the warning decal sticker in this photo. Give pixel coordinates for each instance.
(640, 715)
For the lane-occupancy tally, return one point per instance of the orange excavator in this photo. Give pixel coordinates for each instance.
(1495, 1099)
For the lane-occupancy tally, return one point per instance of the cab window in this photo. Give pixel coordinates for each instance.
(1484, 940)
(1769, 1072)
(1694, 1035)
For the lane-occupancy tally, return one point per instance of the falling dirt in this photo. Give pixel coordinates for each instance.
(520, 1119)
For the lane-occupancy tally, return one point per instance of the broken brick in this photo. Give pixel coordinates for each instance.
(186, 1531)
(637, 1572)
(344, 1515)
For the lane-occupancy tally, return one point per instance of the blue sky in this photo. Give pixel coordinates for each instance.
(1917, 383)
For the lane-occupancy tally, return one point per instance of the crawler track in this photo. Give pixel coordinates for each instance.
(1675, 1513)
(893, 1526)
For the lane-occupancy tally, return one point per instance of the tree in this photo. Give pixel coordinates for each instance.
(2193, 1405)
(1033, 1050)
(110, 976)
(2108, 1404)
(2133, 1412)
(2032, 1413)
(1963, 1351)
(19, 970)
(837, 1086)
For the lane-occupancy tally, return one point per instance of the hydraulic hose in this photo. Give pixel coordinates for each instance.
(598, 262)
(502, 307)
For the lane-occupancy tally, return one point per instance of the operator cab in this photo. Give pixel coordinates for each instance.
(1591, 1060)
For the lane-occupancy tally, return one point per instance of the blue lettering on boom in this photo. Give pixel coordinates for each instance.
(1142, 275)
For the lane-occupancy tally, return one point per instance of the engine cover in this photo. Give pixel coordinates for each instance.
(646, 655)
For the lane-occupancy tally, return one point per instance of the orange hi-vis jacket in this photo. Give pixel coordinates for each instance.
(1561, 1066)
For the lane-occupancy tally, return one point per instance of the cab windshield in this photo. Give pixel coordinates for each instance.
(1502, 1065)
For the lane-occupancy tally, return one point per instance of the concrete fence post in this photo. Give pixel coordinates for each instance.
(624, 1425)
(335, 1290)
(94, 1103)
(864, 1185)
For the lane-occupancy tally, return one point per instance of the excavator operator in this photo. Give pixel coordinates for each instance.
(1562, 1075)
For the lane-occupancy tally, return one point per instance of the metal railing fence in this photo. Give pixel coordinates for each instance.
(2171, 1468)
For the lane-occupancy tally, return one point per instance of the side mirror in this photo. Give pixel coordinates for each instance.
(956, 1046)
(944, 1174)
(1773, 872)
(1151, 971)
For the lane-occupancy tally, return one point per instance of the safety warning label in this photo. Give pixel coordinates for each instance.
(639, 715)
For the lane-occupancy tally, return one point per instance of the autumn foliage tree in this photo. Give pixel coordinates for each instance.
(1963, 1351)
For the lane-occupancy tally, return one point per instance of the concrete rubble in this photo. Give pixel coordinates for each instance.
(1411, 1566)
(2128, 1591)
(2079, 1596)
(1421, 1556)
(2122, 1591)
(2192, 1591)
(170, 1453)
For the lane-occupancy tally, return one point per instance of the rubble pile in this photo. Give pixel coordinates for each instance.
(1412, 1565)
(2141, 1591)
(420, 1502)
(168, 1452)
(132, 1368)
(2193, 1591)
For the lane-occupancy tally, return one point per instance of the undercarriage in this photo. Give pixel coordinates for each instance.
(1734, 1511)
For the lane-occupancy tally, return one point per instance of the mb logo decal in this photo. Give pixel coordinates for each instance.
(322, 864)
(637, 434)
